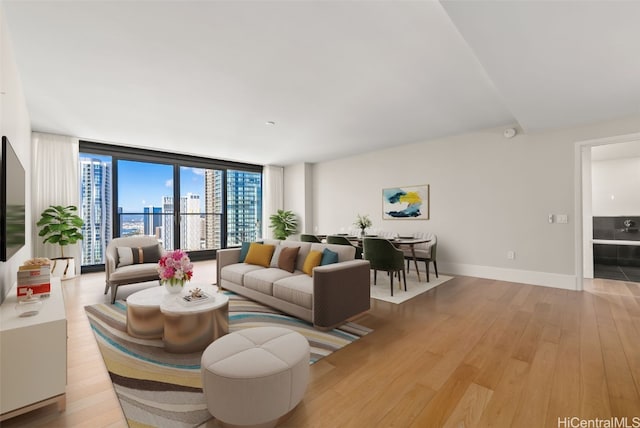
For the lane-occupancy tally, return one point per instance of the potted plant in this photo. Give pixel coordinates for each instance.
(283, 223)
(62, 226)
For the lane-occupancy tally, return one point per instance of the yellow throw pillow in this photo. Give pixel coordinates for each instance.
(260, 254)
(313, 259)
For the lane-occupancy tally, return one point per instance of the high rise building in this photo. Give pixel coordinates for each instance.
(190, 222)
(213, 208)
(244, 207)
(152, 221)
(95, 208)
(167, 222)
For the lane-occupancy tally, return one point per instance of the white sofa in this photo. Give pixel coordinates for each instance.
(333, 294)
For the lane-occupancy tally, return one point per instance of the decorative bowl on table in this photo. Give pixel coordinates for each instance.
(28, 307)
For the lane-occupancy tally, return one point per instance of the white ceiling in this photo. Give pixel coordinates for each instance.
(337, 77)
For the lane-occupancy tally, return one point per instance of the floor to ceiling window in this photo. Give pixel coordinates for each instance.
(244, 206)
(201, 208)
(196, 204)
(145, 200)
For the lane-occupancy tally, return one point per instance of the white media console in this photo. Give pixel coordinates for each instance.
(33, 355)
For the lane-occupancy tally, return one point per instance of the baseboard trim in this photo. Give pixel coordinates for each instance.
(544, 279)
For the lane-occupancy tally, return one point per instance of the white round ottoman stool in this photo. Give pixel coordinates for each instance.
(253, 377)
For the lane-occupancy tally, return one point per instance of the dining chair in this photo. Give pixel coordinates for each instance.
(342, 240)
(384, 256)
(425, 252)
(304, 237)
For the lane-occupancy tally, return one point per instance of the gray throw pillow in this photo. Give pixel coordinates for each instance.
(137, 255)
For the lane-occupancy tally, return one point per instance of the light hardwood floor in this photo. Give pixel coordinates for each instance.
(470, 353)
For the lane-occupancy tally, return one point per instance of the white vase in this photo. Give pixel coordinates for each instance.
(174, 286)
(63, 267)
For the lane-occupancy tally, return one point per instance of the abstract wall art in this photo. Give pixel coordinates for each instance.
(406, 203)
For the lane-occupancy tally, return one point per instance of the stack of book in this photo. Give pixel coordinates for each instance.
(34, 277)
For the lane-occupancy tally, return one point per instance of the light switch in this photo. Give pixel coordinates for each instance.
(551, 218)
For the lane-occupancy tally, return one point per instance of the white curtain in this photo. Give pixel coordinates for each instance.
(54, 182)
(273, 195)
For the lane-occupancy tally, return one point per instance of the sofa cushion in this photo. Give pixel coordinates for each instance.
(235, 272)
(288, 256)
(138, 255)
(260, 254)
(295, 289)
(328, 257)
(312, 260)
(262, 279)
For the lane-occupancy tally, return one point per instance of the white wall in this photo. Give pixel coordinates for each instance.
(14, 124)
(616, 187)
(298, 190)
(488, 195)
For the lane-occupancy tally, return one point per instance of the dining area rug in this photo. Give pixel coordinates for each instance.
(382, 291)
(160, 389)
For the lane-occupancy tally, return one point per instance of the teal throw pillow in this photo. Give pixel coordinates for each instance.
(244, 250)
(328, 257)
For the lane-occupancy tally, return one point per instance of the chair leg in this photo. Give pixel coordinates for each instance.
(404, 277)
(408, 265)
(114, 290)
(426, 266)
(392, 285)
(375, 276)
(435, 267)
(106, 287)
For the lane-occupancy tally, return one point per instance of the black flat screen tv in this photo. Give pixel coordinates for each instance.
(12, 202)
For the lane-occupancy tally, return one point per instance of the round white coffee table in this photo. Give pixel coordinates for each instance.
(183, 326)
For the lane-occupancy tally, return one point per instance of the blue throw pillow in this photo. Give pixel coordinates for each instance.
(328, 257)
(244, 250)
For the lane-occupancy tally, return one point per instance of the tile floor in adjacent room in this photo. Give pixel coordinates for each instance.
(620, 273)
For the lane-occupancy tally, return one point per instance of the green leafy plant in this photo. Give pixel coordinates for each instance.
(283, 223)
(362, 222)
(61, 226)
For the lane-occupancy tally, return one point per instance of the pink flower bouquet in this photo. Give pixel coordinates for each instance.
(175, 267)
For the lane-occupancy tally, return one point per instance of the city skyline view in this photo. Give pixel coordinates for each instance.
(145, 205)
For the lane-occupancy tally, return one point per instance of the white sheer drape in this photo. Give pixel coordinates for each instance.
(273, 195)
(54, 182)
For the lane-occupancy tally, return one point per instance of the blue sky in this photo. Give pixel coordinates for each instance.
(142, 184)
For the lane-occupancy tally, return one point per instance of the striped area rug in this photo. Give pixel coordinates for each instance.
(160, 389)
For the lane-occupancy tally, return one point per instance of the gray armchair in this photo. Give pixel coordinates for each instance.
(384, 256)
(129, 267)
(424, 252)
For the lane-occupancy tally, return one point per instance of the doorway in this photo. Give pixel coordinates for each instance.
(614, 247)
